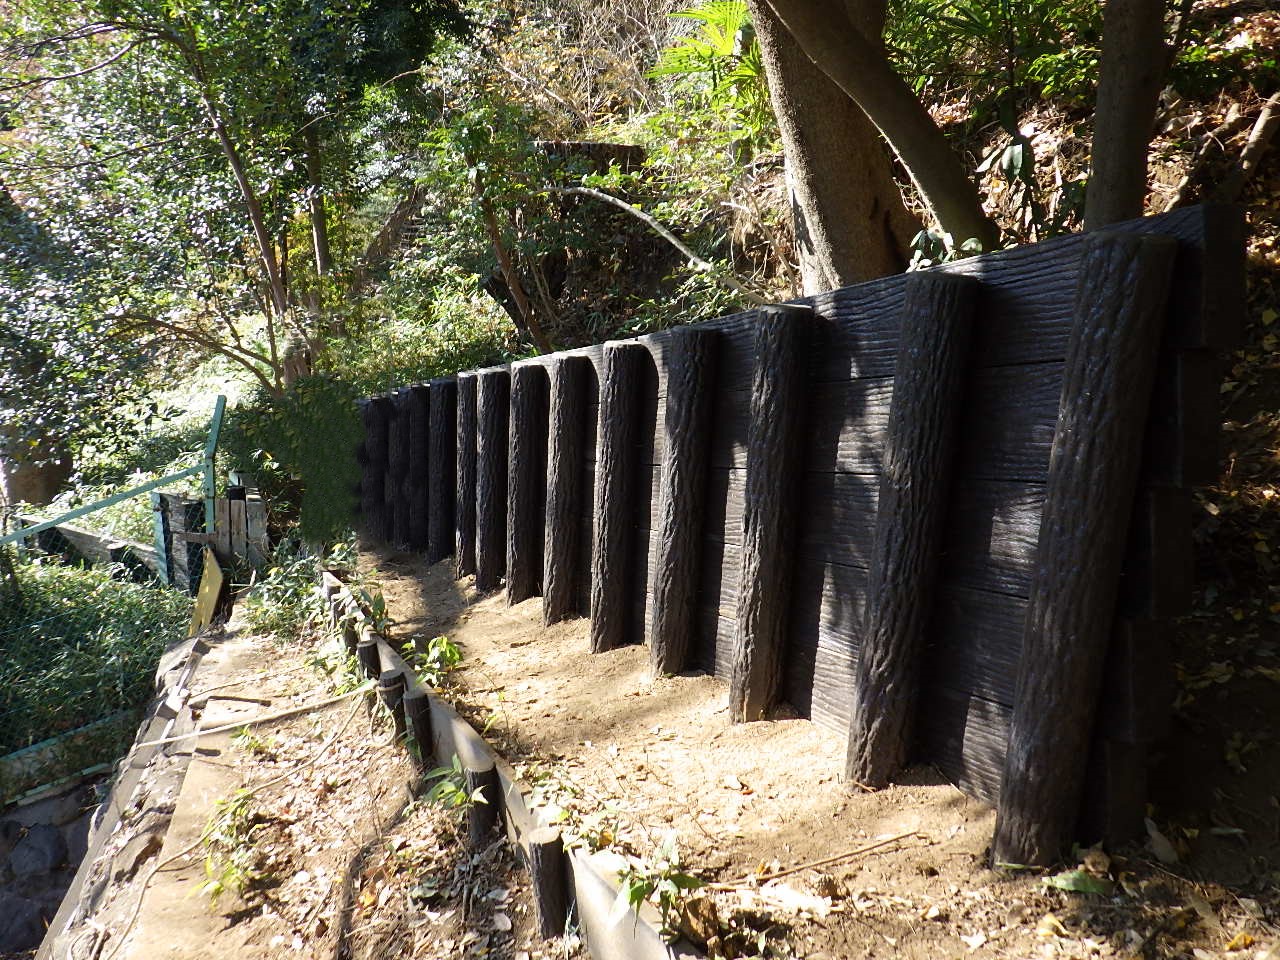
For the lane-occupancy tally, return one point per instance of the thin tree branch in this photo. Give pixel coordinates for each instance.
(703, 266)
(41, 81)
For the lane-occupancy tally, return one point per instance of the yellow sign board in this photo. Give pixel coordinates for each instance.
(207, 598)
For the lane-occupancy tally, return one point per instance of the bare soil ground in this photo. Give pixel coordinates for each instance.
(795, 865)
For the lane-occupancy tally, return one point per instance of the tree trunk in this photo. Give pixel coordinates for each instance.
(828, 35)
(850, 222)
(36, 478)
(315, 201)
(1134, 62)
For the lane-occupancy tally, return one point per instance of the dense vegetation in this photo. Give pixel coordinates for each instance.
(309, 202)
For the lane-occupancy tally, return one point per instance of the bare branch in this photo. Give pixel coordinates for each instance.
(703, 266)
(41, 81)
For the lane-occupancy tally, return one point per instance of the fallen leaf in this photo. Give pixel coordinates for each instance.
(975, 940)
(1241, 941)
(1080, 881)
(1050, 926)
(1159, 843)
(501, 922)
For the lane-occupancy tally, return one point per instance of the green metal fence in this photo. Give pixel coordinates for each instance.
(79, 644)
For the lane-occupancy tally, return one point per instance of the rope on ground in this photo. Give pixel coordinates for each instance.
(261, 718)
(251, 791)
(755, 880)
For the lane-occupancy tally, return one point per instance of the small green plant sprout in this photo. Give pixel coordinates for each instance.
(230, 862)
(375, 605)
(450, 789)
(247, 741)
(434, 663)
(339, 666)
(659, 879)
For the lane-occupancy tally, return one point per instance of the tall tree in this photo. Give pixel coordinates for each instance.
(1135, 60)
(831, 34)
(850, 221)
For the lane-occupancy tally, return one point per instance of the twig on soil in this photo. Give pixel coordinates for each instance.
(195, 844)
(813, 864)
(262, 718)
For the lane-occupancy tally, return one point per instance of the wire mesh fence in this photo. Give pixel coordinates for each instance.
(79, 641)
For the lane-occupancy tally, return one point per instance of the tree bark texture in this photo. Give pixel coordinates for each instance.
(857, 64)
(850, 222)
(1093, 474)
(465, 499)
(441, 479)
(1130, 75)
(915, 486)
(417, 714)
(527, 489)
(617, 466)
(483, 815)
(550, 881)
(493, 396)
(398, 467)
(377, 415)
(564, 558)
(416, 482)
(682, 492)
(778, 394)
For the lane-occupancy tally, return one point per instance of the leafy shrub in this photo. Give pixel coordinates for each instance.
(79, 645)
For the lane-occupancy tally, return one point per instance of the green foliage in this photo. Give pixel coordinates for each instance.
(230, 862)
(1220, 55)
(450, 789)
(284, 601)
(724, 50)
(301, 447)
(434, 664)
(994, 53)
(79, 645)
(659, 878)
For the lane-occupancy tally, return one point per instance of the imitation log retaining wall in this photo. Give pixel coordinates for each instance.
(978, 474)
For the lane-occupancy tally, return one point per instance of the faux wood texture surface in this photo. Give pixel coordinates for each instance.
(527, 485)
(778, 399)
(416, 480)
(442, 467)
(686, 428)
(1106, 392)
(465, 492)
(915, 488)
(1013, 387)
(565, 549)
(612, 568)
(493, 397)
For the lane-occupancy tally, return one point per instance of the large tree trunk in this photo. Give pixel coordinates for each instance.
(850, 222)
(830, 36)
(1134, 62)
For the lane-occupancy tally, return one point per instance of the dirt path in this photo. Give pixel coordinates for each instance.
(627, 761)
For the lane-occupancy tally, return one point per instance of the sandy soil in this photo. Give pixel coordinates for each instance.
(625, 760)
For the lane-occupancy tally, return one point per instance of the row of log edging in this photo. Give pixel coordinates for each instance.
(565, 883)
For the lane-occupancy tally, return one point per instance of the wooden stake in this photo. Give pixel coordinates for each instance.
(928, 381)
(768, 521)
(1093, 473)
(687, 428)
